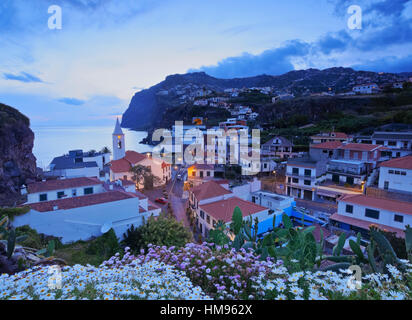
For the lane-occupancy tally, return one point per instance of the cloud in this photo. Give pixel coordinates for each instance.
(387, 64)
(72, 101)
(22, 77)
(385, 25)
(274, 62)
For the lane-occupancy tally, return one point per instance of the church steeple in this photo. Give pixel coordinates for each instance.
(119, 148)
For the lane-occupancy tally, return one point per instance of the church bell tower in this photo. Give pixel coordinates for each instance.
(118, 142)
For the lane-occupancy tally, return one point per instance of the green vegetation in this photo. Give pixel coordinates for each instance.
(161, 231)
(143, 175)
(13, 212)
(300, 251)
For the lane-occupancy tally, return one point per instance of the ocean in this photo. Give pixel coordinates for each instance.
(50, 142)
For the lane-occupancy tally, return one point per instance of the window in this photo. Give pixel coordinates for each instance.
(307, 182)
(265, 165)
(289, 179)
(390, 171)
(349, 208)
(295, 170)
(201, 174)
(295, 180)
(202, 214)
(208, 173)
(214, 223)
(194, 174)
(74, 192)
(88, 190)
(208, 218)
(392, 143)
(60, 194)
(374, 214)
(308, 172)
(43, 197)
(253, 199)
(386, 185)
(403, 173)
(398, 218)
(397, 172)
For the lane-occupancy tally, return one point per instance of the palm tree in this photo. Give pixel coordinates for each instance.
(105, 150)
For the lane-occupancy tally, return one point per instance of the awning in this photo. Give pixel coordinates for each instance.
(365, 224)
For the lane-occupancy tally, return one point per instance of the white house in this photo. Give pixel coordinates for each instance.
(366, 88)
(396, 175)
(199, 173)
(77, 209)
(398, 143)
(61, 189)
(212, 202)
(359, 212)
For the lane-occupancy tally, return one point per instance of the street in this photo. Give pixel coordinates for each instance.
(174, 189)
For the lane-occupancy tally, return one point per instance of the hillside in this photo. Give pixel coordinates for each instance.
(148, 108)
(17, 162)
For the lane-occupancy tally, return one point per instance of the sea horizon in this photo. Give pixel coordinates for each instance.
(53, 141)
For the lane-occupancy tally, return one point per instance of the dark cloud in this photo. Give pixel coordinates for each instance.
(22, 77)
(72, 101)
(387, 64)
(274, 62)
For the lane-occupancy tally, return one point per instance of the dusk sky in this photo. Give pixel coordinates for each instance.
(87, 72)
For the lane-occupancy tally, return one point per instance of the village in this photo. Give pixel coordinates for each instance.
(345, 183)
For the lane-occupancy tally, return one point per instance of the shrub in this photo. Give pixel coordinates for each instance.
(161, 230)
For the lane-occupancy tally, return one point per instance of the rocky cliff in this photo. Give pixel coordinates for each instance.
(148, 108)
(17, 162)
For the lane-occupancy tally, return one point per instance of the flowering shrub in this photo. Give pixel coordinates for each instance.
(202, 272)
(152, 280)
(224, 273)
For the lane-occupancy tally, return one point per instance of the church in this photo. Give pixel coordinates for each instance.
(123, 161)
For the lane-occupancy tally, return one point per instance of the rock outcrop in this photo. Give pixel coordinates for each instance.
(17, 162)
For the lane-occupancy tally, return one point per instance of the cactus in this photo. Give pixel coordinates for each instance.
(337, 249)
(337, 267)
(408, 242)
(357, 251)
(11, 243)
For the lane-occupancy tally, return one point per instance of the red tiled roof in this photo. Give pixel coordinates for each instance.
(365, 224)
(121, 165)
(360, 147)
(82, 201)
(378, 203)
(51, 185)
(134, 157)
(223, 210)
(222, 181)
(209, 190)
(124, 164)
(327, 145)
(401, 163)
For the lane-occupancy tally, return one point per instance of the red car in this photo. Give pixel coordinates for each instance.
(161, 200)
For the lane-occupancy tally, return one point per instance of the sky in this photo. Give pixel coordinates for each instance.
(86, 72)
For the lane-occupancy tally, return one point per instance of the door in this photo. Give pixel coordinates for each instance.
(307, 195)
(350, 180)
(335, 178)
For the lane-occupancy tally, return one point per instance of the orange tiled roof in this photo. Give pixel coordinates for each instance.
(378, 203)
(401, 163)
(223, 210)
(134, 157)
(209, 190)
(82, 201)
(327, 145)
(51, 185)
(130, 159)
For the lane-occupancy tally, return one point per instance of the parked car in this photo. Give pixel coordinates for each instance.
(161, 200)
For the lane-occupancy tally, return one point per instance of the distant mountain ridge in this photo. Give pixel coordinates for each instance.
(147, 107)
